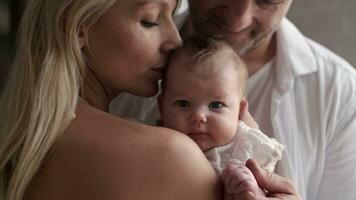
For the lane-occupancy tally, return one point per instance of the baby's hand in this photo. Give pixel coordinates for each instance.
(238, 178)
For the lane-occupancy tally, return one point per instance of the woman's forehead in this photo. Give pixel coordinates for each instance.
(160, 2)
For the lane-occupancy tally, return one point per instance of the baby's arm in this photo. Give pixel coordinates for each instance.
(238, 178)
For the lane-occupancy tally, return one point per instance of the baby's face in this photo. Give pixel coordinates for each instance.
(207, 110)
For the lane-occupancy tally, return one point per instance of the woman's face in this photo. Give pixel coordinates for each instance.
(128, 46)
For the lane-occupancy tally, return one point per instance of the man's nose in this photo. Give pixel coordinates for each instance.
(239, 14)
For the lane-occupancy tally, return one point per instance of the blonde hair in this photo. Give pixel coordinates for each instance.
(204, 49)
(39, 99)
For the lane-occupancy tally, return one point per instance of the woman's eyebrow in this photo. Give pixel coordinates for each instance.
(146, 2)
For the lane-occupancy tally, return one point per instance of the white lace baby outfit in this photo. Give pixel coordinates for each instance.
(247, 143)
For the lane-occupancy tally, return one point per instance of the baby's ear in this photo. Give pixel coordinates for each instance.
(245, 115)
(243, 108)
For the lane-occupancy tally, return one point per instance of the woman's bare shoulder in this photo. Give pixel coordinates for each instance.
(104, 157)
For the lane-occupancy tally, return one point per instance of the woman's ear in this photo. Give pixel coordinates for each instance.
(82, 37)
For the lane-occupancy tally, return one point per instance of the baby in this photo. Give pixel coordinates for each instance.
(202, 94)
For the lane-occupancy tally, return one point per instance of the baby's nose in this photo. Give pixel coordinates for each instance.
(198, 116)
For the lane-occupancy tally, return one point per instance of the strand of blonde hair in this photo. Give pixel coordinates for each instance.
(41, 94)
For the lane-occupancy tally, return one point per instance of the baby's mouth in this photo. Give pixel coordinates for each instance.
(198, 135)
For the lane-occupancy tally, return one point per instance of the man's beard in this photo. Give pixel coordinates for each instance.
(246, 45)
(249, 44)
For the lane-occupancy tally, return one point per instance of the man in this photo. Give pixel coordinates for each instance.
(299, 92)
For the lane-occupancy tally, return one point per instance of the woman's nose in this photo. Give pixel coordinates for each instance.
(172, 39)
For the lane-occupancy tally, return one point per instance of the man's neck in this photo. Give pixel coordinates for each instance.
(257, 58)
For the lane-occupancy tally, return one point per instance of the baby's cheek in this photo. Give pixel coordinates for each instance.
(175, 123)
(226, 133)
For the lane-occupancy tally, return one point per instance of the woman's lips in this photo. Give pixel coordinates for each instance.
(159, 71)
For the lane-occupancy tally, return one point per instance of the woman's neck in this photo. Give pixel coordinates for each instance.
(94, 92)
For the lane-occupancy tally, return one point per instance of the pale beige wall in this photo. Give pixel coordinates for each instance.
(330, 22)
(4, 19)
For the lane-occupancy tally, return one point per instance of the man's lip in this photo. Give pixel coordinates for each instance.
(226, 28)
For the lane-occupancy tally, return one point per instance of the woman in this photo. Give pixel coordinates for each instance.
(96, 49)
(58, 142)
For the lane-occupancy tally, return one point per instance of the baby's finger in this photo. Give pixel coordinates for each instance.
(223, 175)
(227, 182)
(245, 185)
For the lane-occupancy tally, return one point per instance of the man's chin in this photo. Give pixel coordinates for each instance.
(246, 48)
(242, 47)
(245, 45)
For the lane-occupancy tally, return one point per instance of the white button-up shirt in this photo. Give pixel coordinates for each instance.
(313, 112)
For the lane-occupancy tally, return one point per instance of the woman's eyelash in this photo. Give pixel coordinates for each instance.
(149, 24)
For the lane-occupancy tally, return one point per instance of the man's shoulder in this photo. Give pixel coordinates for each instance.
(333, 83)
(305, 55)
(318, 64)
(329, 60)
(318, 74)
(333, 72)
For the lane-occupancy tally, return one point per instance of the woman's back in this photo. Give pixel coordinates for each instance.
(103, 157)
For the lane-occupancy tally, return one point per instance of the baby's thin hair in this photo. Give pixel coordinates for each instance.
(204, 50)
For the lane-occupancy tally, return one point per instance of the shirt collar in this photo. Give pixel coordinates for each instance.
(294, 56)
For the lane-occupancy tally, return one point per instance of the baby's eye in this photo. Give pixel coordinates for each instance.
(216, 105)
(149, 24)
(182, 103)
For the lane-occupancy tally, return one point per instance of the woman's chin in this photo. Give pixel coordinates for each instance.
(148, 91)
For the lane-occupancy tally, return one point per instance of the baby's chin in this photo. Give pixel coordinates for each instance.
(208, 148)
(205, 147)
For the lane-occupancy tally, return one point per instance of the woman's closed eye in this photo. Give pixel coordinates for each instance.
(216, 105)
(149, 23)
(182, 103)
